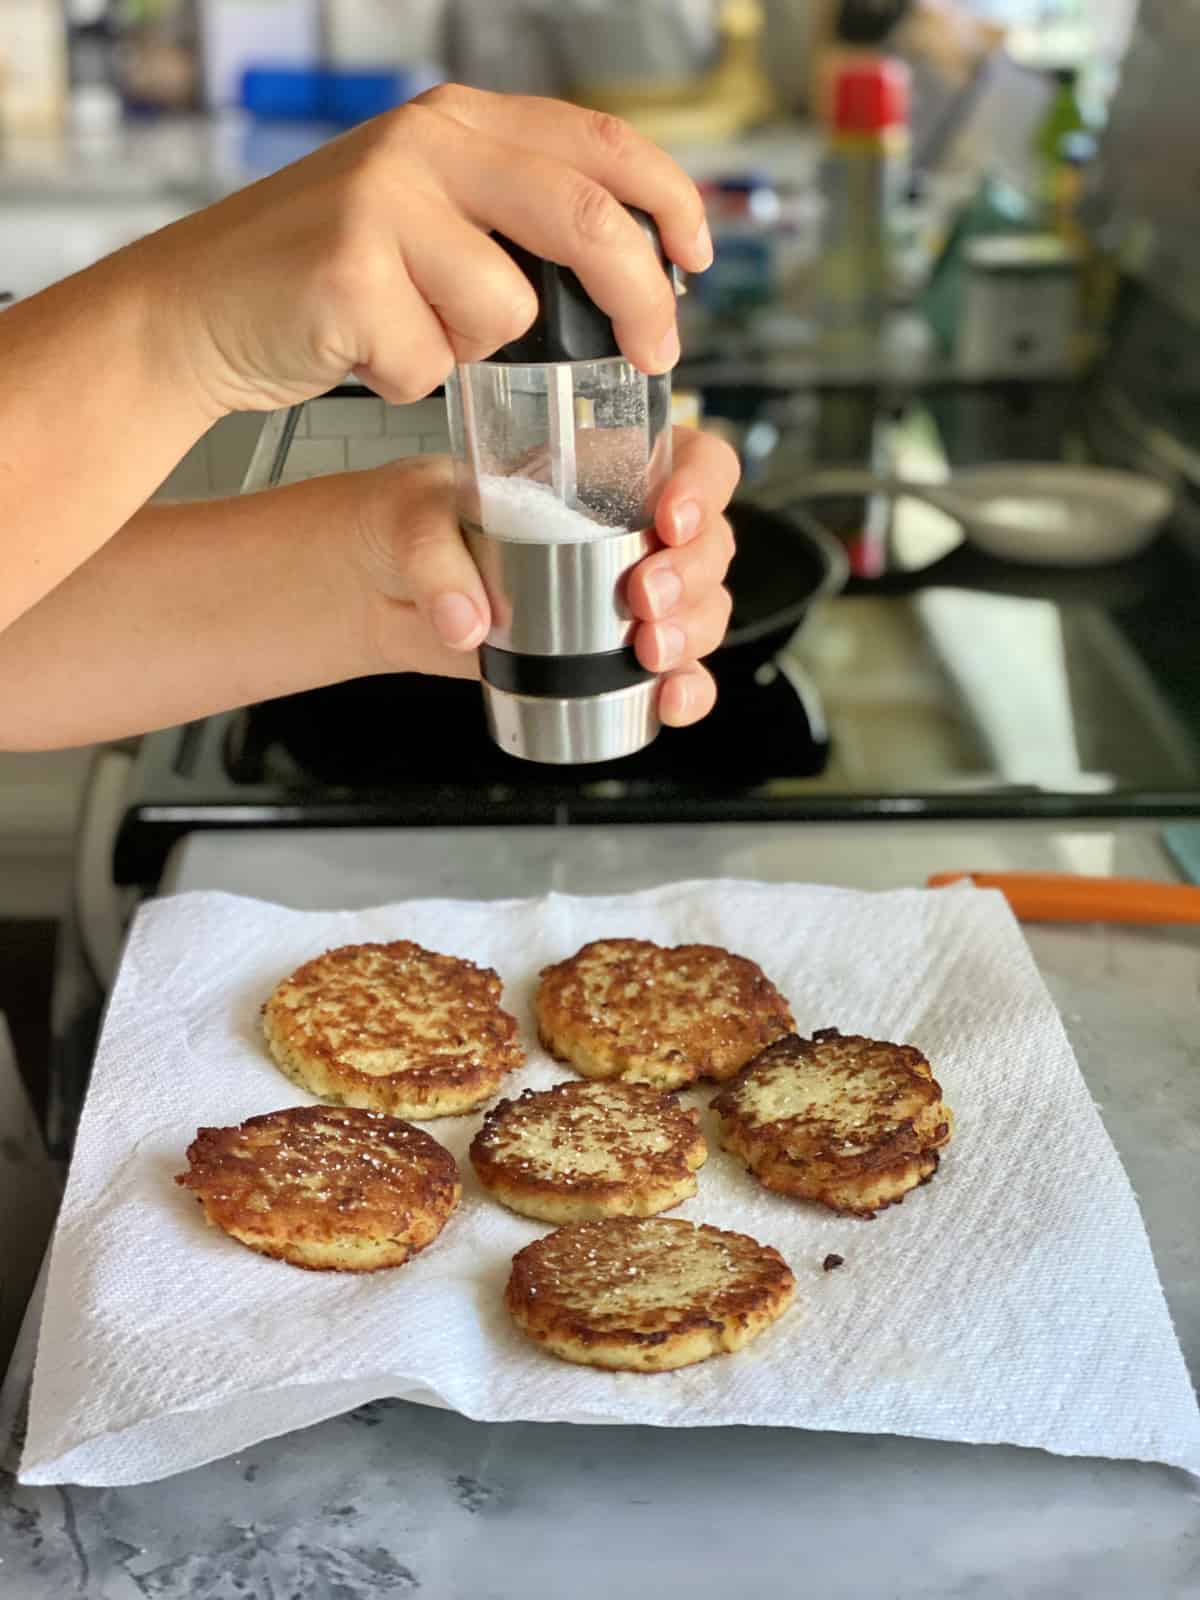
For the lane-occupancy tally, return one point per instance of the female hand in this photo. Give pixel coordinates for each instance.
(373, 256)
(425, 605)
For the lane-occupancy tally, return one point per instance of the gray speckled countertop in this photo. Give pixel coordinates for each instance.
(395, 1499)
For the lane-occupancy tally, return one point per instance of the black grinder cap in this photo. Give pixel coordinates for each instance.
(569, 325)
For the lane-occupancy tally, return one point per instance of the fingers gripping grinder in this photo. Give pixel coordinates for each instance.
(561, 447)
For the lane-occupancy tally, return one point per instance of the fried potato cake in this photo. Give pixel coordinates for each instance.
(646, 1295)
(395, 1028)
(325, 1187)
(626, 1008)
(851, 1123)
(580, 1151)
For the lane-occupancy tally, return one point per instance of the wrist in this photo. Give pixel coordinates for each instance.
(177, 346)
(328, 515)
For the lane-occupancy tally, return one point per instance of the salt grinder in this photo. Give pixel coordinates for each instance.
(561, 448)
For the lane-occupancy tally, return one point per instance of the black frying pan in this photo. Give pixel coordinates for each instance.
(785, 560)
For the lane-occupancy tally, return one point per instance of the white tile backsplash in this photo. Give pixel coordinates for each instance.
(217, 464)
(331, 434)
(190, 480)
(422, 416)
(362, 453)
(406, 445)
(313, 458)
(345, 417)
(230, 444)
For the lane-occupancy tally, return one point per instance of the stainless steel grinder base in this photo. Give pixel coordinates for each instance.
(561, 628)
(598, 727)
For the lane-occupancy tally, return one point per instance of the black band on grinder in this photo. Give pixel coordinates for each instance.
(561, 677)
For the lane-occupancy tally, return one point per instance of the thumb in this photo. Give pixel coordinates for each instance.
(435, 571)
(444, 584)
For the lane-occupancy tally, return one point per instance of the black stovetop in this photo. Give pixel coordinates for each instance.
(966, 689)
(412, 751)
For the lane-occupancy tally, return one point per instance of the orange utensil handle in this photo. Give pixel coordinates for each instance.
(1066, 897)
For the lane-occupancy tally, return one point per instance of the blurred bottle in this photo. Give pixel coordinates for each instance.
(33, 77)
(1064, 121)
(1077, 153)
(687, 408)
(743, 209)
(866, 180)
(766, 237)
(159, 56)
(842, 33)
(93, 39)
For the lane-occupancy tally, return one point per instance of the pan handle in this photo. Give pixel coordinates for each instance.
(1070, 897)
(826, 482)
(964, 567)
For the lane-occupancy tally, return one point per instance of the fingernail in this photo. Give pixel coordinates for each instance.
(456, 619)
(676, 699)
(686, 519)
(664, 588)
(703, 246)
(669, 642)
(667, 353)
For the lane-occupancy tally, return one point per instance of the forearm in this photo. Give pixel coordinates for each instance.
(97, 405)
(188, 610)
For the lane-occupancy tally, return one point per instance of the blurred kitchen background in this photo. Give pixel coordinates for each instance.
(950, 234)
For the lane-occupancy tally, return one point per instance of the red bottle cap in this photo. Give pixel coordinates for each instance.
(870, 97)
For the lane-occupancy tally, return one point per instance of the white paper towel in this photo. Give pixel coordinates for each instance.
(1013, 1299)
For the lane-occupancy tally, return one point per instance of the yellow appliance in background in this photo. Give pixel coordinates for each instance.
(734, 95)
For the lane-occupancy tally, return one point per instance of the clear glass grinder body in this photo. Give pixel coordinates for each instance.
(559, 466)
